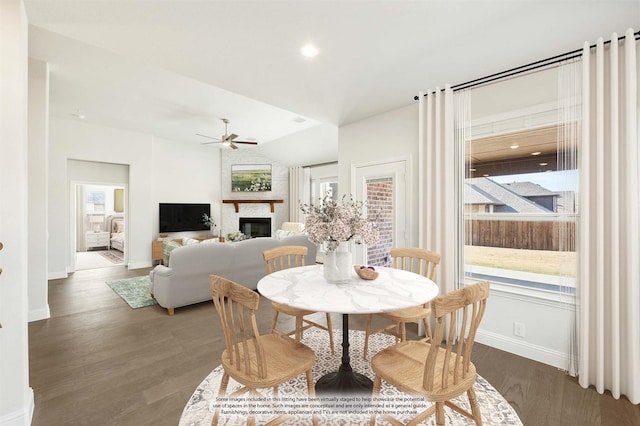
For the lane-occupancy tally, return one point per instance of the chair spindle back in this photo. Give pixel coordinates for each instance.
(420, 261)
(284, 257)
(236, 306)
(458, 315)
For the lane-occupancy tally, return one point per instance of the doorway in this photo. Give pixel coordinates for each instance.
(383, 186)
(99, 220)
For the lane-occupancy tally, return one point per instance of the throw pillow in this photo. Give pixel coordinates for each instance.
(281, 233)
(186, 241)
(211, 240)
(167, 247)
(118, 226)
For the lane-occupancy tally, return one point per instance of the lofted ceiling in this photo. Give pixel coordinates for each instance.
(174, 68)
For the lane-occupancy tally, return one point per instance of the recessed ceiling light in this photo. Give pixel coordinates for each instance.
(544, 164)
(472, 170)
(309, 51)
(536, 153)
(514, 146)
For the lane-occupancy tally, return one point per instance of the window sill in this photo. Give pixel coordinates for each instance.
(531, 294)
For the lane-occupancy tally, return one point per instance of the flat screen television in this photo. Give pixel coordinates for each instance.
(176, 217)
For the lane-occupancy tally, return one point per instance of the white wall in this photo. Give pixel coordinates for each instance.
(381, 138)
(158, 170)
(185, 174)
(546, 320)
(315, 145)
(38, 188)
(16, 398)
(71, 139)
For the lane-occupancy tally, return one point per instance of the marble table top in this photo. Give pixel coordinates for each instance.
(305, 288)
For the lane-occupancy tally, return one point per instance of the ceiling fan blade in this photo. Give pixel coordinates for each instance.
(208, 137)
(227, 139)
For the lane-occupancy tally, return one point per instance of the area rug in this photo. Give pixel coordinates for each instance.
(355, 411)
(114, 256)
(134, 291)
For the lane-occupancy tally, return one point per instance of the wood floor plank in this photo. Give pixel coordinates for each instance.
(96, 361)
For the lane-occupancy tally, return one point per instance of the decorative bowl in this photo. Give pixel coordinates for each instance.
(365, 272)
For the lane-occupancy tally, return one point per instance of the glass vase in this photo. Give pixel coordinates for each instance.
(338, 264)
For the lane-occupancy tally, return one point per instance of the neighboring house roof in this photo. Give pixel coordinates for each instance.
(528, 189)
(508, 199)
(474, 195)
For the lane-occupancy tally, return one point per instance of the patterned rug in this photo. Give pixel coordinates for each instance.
(114, 256)
(134, 291)
(292, 395)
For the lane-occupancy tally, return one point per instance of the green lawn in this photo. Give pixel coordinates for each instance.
(538, 261)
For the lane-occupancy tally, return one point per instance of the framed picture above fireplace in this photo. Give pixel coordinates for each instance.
(250, 177)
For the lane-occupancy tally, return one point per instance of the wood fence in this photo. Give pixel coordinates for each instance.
(531, 235)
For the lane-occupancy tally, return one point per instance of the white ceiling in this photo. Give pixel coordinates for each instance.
(173, 68)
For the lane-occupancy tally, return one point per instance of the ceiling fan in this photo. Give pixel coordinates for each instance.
(227, 139)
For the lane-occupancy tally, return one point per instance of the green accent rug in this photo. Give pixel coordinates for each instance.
(134, 291)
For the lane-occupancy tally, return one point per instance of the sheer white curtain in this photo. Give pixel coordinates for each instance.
(299, 191)
(609, 277)
(568, 142)
(438, 222)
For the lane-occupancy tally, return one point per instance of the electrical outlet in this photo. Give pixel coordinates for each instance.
(518, 329)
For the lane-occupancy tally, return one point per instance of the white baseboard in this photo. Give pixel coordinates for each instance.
(57, 275)
(525, 349)
(39, 314)
(139, 265)
(22, 417)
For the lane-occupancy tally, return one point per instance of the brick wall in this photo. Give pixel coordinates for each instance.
(380, 204)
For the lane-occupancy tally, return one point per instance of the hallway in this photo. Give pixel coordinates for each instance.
(96, 259)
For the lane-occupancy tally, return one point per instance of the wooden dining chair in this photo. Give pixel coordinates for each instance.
(420, 261)
(437, 372)
(283, 257)
(255, 361)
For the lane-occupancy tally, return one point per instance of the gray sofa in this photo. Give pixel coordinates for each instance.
(186, 280)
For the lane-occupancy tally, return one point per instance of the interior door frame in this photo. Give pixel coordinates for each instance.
(73, 211)
(400, 236)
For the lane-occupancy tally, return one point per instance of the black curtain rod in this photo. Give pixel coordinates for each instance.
(320, 164)
(523, 68)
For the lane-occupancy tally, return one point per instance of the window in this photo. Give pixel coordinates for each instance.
(95, 202)
(521, 186)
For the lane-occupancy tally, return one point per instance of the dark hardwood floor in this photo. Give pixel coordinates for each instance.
(98, 362)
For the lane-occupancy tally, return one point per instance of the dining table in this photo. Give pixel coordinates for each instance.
(305, 287)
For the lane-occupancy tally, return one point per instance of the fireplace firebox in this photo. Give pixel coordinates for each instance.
(254, 227)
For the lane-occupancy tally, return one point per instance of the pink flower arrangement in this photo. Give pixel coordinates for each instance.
(332, 222)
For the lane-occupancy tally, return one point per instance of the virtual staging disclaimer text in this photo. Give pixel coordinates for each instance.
(258, 405)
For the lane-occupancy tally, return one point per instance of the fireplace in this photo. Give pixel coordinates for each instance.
(254, 227)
